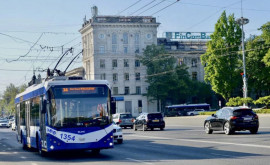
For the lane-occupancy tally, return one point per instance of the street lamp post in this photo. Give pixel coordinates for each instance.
(242, 21)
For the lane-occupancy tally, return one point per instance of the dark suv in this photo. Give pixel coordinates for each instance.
(149, 121)
(231, 119)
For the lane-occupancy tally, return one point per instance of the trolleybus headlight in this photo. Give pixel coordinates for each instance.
(111, 144)
(52, 147)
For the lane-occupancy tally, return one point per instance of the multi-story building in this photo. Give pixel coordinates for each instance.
(187, 52)
(111, 45)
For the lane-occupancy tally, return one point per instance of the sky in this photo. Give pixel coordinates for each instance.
(33, 33)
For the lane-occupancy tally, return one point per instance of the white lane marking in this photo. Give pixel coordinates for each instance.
(183, 126)
(34, 164)
(134, 160)
(4, 153)
(15, 152)
(222, 155)
(202, 126)
(23, 157)
(204, 141)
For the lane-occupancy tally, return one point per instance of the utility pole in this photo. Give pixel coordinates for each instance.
(242, 21)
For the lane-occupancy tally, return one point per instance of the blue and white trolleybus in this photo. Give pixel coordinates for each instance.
(65, 114)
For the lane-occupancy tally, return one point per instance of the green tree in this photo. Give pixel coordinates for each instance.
(257, 70)
(171, 82)
(266, 37)
(238, 101)
(263, 100)
(221, 60)
(160, 71)
(8, 98)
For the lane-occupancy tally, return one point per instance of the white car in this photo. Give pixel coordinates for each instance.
(117, 134)
(4, 123)
(195, 112)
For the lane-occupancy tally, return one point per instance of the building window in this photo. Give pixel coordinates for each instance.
(138, 90)
(194, 62)
(140, 103)
(114, 63)
(137, 49)
(125, 38)
(115, 90)
(137, 39)
(125, 50)
(194, 75)
(126, 76)
(101, 49)
(114, 38)
(115, 77)
(103, 76)
(180, 61)
(126, 64)
(102, 63)
(137, 63)
(138, 76)
(114, 48)
(126, 90)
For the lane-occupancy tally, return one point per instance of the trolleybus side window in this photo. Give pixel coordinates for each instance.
(22, 113)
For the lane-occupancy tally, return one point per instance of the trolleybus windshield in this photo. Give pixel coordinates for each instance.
(83, 106)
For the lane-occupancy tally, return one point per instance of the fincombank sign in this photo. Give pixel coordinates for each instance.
(188, 35)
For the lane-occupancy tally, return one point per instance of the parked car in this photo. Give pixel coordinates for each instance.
(4, 123)
(195, 112)
(117, 133)
(231, 119)
(149, 121)
(123, 120)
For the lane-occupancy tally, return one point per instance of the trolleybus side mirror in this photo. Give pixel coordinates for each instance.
(44, 104)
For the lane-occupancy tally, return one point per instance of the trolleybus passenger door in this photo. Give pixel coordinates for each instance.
(27, 124)
(42, 124)
(18, 122)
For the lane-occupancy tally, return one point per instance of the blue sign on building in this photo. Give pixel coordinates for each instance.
(188, 35)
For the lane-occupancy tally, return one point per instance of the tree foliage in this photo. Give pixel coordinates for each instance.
(266, 37)
(221, 60)
(168, 81)
(8, 98)
(263, 100)
(257, 70)
(238, 101)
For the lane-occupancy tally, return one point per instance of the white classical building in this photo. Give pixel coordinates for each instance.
(111, 45)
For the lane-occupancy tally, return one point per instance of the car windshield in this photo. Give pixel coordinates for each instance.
(125, 116)
(78, 110)
(3, 121)
(154, 115)
(243, 112)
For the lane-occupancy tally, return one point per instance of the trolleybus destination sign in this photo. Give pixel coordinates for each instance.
(188, 35)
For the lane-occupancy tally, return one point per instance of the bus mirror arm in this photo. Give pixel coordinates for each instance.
(44, 104)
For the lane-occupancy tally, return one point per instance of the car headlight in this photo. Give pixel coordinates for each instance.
(119, 130)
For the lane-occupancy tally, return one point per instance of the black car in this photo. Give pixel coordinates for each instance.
(149, 121)
(231, 119)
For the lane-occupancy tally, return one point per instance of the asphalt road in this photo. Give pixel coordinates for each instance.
(182, 142)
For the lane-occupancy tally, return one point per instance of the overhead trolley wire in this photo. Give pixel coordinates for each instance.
(151, 7)
(166, 7)
(129, 7)
(143, 7)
